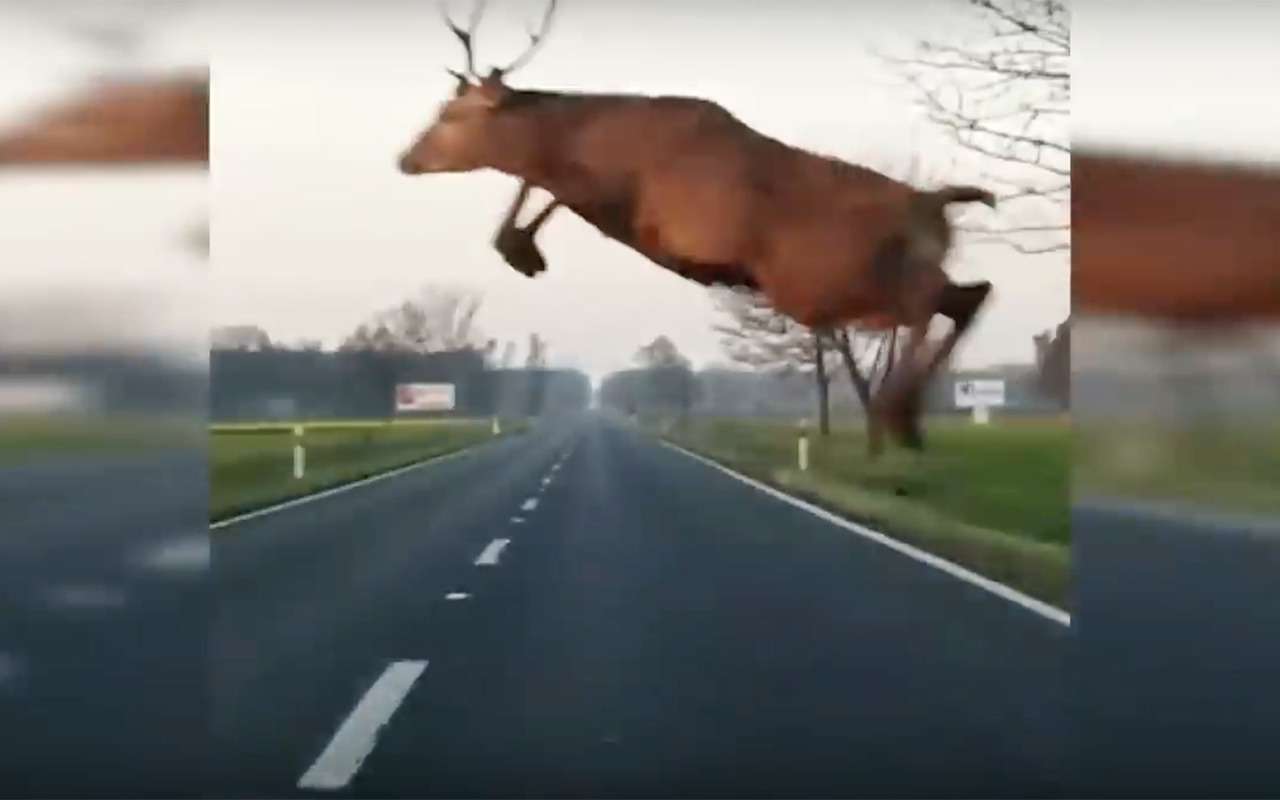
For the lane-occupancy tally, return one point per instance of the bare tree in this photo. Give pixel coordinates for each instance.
(307, 345)
(1004, 95)
(1053, 362)
(667, 378)
(239, 337)
(763, 338)
(537, 356)
(661, 352)
(435, 319)
(760, 336)
(508, 355)
(868, 358)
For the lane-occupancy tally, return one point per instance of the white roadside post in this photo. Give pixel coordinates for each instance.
(802, 447)
(981, 415)
(299, 454)
(497, 428)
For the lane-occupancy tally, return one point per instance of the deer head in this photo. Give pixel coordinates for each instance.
(468, 132)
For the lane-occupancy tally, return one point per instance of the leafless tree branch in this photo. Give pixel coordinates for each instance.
(1005, 97)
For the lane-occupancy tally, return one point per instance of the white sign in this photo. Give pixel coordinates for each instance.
(424, 397)
(982, 392)
(45, 395)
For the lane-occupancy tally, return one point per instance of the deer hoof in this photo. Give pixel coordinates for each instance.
(518, 250)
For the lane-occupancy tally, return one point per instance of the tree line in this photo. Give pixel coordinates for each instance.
(435, 319)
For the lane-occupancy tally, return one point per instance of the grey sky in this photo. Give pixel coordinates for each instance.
(95, 257)
(314, 228)
(1186, 77)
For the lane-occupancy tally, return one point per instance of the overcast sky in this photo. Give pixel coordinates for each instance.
(313, 228)
(95, 257)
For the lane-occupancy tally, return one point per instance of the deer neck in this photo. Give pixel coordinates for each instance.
(535, 137)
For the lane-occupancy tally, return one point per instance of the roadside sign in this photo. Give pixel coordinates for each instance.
(976, 393)
(424, 397)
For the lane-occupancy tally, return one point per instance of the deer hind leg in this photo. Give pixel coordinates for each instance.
(960, 302)
(901, 400)
(897, 404)
(516, 244)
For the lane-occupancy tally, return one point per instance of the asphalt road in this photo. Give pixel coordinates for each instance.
(1178, 653)
(103, 593)
(650, 626)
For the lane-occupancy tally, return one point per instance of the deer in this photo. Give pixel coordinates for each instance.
(697, 191)
(1188, 243)
(148, 120)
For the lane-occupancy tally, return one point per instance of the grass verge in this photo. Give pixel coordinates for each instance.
(994, 499)
(251, 466)
(28, 437)
(1232, 466)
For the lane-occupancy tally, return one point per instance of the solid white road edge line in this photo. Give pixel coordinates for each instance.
(951, 568)
(354, 741)
(489, 556)
(346, 487)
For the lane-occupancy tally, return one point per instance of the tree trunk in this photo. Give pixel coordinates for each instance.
(893, 352)
(824, 386)
(861, 384)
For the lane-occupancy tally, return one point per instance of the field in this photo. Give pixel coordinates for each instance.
(33, 436)
(251, 465)
(993, 498)
(1233, 466)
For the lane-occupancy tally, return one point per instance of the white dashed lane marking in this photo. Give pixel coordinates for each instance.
(354, 741)
(489, 556)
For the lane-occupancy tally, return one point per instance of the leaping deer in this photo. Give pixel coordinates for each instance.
(697, 191)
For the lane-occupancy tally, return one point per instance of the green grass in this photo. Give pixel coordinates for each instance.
(993, 498)
(251, 465)
(25, 437)
(343, 424)
(1232, 467)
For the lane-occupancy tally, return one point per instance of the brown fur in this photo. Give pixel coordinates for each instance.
(684, 181)
(687, 184)
(1180, 242)
(122, 122)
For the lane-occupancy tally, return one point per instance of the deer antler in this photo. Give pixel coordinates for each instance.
(535, 39)
(465, 36)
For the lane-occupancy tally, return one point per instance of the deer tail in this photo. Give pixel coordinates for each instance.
(964, 194)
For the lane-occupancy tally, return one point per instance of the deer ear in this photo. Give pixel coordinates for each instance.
(463, 83)
(492, 89)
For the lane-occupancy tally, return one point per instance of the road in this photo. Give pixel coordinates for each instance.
(1176, 661)
(103, 596)
(581, 611)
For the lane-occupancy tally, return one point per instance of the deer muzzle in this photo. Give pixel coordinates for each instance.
(408, 165)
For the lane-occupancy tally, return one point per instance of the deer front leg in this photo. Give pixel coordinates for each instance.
(515, 243)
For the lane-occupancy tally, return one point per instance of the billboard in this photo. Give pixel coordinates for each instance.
(979, 393)
(424, 397)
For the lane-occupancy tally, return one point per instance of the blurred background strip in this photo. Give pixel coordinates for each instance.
(104, 558)
(1176, 397)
